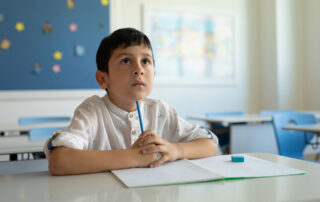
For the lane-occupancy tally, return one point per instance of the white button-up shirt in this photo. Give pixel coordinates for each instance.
(98, 124)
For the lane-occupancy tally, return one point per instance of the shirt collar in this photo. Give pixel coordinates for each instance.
(118, 111)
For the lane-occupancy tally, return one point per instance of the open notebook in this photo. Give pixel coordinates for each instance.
(201, 170)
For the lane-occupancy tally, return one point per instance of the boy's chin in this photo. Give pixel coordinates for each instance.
(139, 96)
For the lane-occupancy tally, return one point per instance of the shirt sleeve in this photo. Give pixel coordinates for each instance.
(187, 132)
(79, 133)
(183, 131)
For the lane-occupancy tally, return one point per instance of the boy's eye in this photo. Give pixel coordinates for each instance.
(125, 61)
(146, 61)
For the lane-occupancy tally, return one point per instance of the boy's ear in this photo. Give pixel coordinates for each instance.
(102, 79)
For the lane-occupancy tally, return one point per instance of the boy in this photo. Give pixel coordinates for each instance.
(104, 133)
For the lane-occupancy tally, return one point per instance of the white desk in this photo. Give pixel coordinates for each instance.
(40, 186)
(248, 133)
(19, 144)
(312, 128)
(227, 120)
(246, 118)
(15, 167)
(15, 127)
(16, 144)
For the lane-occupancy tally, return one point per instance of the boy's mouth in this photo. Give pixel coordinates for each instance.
(138, 83)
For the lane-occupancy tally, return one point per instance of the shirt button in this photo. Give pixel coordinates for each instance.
(134, 132)
(131, 116)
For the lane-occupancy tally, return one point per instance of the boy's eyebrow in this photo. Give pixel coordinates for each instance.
(130, 54)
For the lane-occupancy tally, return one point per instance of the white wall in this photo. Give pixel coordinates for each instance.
(268, 54)
(195, 100)
(277, 62)
(15, 104)
(284, 55)
(290, 54)
(312, 58)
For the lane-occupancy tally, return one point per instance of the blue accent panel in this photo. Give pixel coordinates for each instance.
(213, 114)
(33, 46)
(292, 143)
(36, 134)
(36, 120)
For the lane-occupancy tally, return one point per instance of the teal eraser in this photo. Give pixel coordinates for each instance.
(237, 159)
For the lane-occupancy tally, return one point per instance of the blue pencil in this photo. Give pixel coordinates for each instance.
(140, 118)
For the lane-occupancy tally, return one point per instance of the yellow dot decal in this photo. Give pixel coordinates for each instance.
(104, 2)
(19, 26)
(57, 55)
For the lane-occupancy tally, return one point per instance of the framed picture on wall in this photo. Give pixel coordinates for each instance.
(190, 47)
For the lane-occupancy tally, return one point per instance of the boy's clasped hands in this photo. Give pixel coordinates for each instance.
(150, 145)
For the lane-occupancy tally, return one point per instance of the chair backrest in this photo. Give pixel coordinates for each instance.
(272, 112)
(213, 114)
(36, 120)
(36, 134)
(292, 143)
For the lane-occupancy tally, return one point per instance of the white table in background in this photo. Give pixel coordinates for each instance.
(248, 133)
(41, 186)
(16, 144)
(228, 120)
(312, 128)
(15, 127)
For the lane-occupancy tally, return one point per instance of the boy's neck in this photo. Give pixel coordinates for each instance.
(128, 105)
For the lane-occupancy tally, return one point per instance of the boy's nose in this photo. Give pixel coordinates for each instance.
(138, 71)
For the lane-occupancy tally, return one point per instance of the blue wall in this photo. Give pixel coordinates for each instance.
(33, 46)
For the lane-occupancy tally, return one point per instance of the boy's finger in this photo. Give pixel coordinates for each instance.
(162, 160)
(161, 149)
(146, 133)
(150, 140)
(151, 148)
(156, 149)
(145, 140)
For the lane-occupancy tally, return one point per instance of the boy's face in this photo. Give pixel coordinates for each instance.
(131, 74)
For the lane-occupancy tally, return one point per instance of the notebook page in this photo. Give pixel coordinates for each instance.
(251, 167)
(181, 171)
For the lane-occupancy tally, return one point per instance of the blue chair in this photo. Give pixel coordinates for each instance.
(35, 120)
(292, 143)
(221, 131)
(272, 112)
